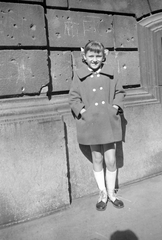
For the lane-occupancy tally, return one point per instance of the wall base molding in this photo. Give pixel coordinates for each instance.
(25, 108)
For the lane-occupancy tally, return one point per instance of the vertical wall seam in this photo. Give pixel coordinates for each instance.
(50, 87)
(68, 163)
(149, 6)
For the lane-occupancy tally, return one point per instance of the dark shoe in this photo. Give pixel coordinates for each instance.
(117, 203)
(102, 201)
(101, 206)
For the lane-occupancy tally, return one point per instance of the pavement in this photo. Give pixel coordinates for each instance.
(140, 219)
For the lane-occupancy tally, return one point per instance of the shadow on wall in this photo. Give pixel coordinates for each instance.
(124, 235)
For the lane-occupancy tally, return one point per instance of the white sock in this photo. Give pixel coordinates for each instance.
(100, 179)
(110, 182)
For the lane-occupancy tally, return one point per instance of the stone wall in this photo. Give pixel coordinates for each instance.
(42, 168)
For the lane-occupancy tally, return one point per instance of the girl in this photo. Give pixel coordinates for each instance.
(96, 100)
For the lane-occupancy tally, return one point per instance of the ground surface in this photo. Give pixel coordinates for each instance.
(140, 219)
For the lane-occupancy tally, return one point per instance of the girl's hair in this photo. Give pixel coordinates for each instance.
(95, 46)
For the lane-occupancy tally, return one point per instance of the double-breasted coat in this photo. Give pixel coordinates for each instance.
(97, 93)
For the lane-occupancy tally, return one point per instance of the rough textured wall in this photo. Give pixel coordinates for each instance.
(42, 168)
(22, 70)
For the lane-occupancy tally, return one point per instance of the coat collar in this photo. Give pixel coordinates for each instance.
(84, 72)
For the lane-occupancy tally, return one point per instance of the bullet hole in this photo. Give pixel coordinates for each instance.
(58, 35)
(23, 89)
(121, 45)
(132, 38)
(19, 44)
(124, 66)
(24, 18)
(108, 30)
(128, 39)
(33, 37)
(101, 20)
(68, 18)
(15, 25)
(32, 27)
(12, 60)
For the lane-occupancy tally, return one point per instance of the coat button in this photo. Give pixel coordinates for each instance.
(101, 88)
(103, 102)
(98, 75)
(96, 104)
(91, 76)
(94, 89)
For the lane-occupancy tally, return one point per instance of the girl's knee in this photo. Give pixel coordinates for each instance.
(98, 159)
(110, 160)
(97, 155)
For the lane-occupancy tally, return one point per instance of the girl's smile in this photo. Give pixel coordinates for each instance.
(94, 59)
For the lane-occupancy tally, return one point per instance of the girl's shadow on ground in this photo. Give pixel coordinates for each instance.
(123, 235)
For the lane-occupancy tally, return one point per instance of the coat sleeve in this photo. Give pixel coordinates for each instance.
(75, 100)
(119, 95)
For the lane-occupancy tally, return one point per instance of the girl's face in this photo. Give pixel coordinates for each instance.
(94, 59)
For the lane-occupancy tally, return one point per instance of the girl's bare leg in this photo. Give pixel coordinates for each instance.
(97, 158)
(110, 156)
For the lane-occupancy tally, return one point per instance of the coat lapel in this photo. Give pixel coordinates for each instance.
(84, 72)
(107, 70)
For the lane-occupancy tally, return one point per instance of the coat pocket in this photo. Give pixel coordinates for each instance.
(87, 116)
(113, 113)
(91, 114)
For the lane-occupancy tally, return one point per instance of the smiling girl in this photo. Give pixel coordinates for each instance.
(96, 101)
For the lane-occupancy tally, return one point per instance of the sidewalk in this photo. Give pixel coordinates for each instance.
(141, 219)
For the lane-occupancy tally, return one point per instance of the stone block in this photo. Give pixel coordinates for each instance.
(155, 5)
(61, 70)
(23, 71)
(125, 32)
(125, 65)
(22, 24)
(57, 3)
(142, 148)
(139, 8)
(33, 169)
(74, 29)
